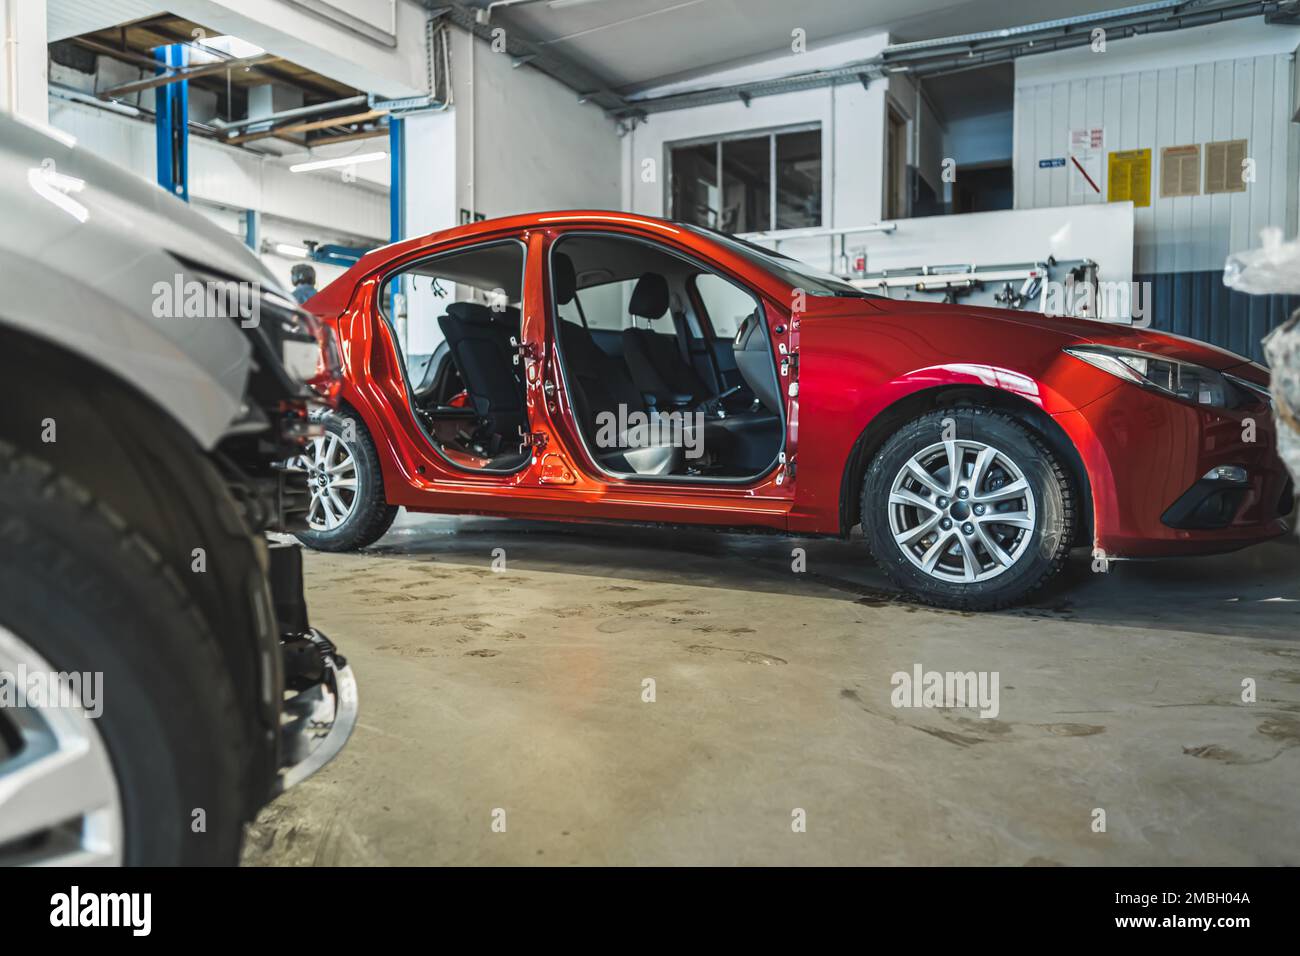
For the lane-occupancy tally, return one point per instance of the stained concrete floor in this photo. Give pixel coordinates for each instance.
(522, 691)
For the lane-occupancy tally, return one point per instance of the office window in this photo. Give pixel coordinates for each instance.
(750, 182)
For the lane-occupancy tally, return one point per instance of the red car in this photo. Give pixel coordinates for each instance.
(608, 366)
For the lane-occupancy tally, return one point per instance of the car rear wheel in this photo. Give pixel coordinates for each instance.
(348, 510)
(966, 508)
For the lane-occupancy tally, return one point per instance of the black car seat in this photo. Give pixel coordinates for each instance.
(655, 360)
(599, 385)
(754, 361)
(479, 341)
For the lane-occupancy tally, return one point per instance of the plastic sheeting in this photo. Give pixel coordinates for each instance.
(1274, 268)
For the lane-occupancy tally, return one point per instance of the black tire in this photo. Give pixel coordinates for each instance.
(1048, 544)
(371, 515)
(90, 594)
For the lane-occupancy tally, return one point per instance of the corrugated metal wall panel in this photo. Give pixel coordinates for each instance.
(1245, 98)
(1199, 305)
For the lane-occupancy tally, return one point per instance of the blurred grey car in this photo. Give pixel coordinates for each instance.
(159, 678)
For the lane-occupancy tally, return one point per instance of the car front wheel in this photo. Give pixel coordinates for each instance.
(967, 508)
(121, 737)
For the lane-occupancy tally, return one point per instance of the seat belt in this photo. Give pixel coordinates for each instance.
(683, 337)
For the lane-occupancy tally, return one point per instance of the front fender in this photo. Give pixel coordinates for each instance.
(838, 425)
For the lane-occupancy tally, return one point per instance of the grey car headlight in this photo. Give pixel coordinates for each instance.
(1178, 379)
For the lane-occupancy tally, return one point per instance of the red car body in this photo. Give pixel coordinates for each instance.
(861, 365)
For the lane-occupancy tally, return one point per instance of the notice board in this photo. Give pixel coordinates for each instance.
(1128, 176)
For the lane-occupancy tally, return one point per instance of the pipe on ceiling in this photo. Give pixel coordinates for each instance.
(970, 51)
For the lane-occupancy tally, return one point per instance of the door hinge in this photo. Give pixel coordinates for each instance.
(527, 440)
(787, 470)
(522, 350)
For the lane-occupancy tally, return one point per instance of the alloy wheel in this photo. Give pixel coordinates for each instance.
(962, 511)
(332, 479)
(60, 804)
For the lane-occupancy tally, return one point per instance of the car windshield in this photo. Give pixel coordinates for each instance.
(791, 271)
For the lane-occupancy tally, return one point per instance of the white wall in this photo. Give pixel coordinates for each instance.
(1228, 81)
(523, 141)
(514, 141)
(23, 59)
(852, 124)
(429, 195)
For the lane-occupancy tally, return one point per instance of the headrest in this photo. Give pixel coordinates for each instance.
(650, 297)
(472, 312)
(565, 278)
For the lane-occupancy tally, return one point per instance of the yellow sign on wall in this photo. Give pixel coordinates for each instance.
(1128, 176)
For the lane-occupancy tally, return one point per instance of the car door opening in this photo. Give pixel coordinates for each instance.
(667, 364)
(462, 317)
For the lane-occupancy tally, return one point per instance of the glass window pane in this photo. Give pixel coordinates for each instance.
(605, 306)
(695, 184)
(746, 185)
(727, 304)
(799, 180)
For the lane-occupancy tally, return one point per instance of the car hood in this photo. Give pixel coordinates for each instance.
(98, 259)
(130, 213)
(1073, 331)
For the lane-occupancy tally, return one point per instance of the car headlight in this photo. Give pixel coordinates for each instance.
(1191, 383)
(1261, 393)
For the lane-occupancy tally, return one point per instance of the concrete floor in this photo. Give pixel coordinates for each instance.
(522, 690)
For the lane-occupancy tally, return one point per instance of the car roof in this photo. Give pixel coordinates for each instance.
(334, 297)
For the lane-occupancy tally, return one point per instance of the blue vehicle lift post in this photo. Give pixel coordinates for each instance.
(172, 123)
(253, 229)
(396, 179)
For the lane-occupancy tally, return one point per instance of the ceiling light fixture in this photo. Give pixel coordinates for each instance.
(337, 161)
(297, 252)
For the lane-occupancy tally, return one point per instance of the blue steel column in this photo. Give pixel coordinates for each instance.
(252, 229)
(396, 179)
(397, 174)
(172, 124)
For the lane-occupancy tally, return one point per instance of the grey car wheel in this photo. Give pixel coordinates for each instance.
(967, 507)
(332, 479)
(962, 511)
(60, 804)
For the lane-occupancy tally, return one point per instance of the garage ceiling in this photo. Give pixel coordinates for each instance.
(636, 44)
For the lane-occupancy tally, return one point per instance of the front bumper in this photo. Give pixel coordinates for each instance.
(319, 709)
(1146, 453)
(318, 720)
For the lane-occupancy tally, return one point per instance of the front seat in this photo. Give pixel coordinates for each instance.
(599, 385)
(479, 341)
(655, 360)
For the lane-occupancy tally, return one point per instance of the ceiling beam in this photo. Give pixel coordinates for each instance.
(127, 56)
(207, 69)
(308, 126)
(314, 141)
